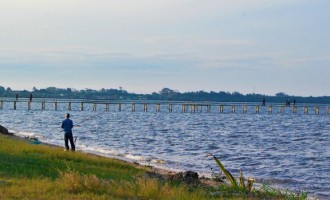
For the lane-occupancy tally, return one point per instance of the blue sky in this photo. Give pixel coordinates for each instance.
(186, 45)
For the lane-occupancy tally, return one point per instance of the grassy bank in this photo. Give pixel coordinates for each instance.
(29, 171)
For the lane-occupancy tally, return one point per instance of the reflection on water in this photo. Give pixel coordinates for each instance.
(284, 150)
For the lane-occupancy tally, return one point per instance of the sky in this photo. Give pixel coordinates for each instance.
(143, 46)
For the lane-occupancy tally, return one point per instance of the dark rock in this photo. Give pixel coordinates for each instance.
(3, 130)
(188, 177)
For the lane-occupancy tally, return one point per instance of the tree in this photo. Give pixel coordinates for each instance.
(281, 94)
(166, 91)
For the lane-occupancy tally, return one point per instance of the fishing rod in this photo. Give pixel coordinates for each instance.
(75, 139)
(79, 122)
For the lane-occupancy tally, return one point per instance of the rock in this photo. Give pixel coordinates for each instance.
(188, 177)
(3, 130)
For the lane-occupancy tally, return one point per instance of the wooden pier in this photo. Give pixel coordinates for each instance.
(160, 106)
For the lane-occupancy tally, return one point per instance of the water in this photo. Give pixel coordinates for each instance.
(285, 150)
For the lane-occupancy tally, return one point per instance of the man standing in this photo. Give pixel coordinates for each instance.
(67, 126)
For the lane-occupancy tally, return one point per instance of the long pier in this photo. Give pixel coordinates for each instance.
(160, 106)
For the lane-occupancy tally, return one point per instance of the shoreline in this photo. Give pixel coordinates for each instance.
(152, 171)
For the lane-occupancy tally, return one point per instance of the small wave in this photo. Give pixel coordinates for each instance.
(28, 134)
(158, 161)
(98, 150)
(12, 131)
(145, 159)
(139, 158)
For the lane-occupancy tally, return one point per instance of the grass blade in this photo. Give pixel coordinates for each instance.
(241, 180)
(227, 173)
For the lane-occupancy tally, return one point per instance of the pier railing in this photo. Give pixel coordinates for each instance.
(161, 106)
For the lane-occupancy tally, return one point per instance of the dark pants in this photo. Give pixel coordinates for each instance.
(67, 137)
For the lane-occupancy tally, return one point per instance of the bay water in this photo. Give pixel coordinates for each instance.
(283, 150)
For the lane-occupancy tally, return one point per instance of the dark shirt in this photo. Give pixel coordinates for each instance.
(67, 125)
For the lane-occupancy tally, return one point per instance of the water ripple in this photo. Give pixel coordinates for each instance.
(284, 150)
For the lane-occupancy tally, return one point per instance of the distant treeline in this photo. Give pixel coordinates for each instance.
(164, 94)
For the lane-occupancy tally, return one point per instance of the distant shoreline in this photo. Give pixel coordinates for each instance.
(166, 94)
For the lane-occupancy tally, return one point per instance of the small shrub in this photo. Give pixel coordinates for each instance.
(76, 183)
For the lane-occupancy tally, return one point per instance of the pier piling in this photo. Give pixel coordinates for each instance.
(244, 109)
(170, 108)
(193, 108)
(317, 110)
(43, 105)
(294, 109)
(270, 109)
(145, 107)
(221, 109)
(232, 109)
(257, 109)
(133, 107)
(305, 110)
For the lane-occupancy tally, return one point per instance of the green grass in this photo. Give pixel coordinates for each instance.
(29, 171)
(19, 158)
